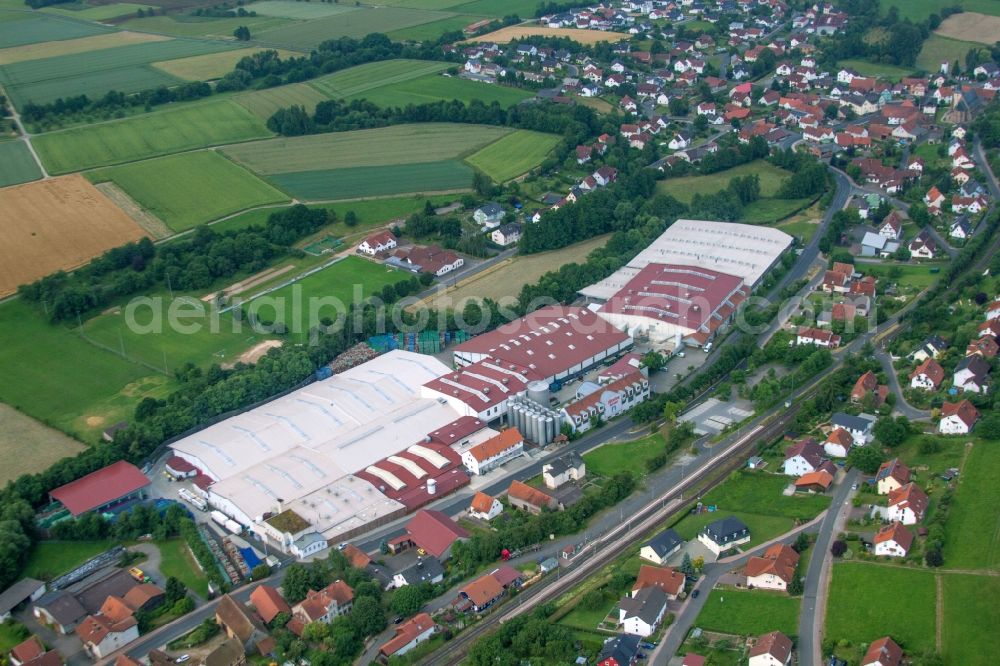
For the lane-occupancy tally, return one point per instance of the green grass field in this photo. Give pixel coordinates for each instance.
(178, 562)
(51, 559)
(375, 181)
(513, 155)
(346, 281)
(399, 144)
(423, 4)
(760, 492)
(263, 103)
(971, 618)
(190, 189)
(303, 11)
(612, 459)
(38, 380)
(912, 275)
(150, 135)
(123, 68)
(918, 10)
(16, 164)
(765, 211)
(359, 23)
(12, 633)
(749, 612)
(434, 88)
(211, 65)
(973, 541)
(928, 465)
(937, 49)
(18, 28)
(434, 29)
(98, 13)
(866, 68)
(866, 603)
(523, 8)
(684, 189)
(763, 528)
(363, 78)
(201, 26)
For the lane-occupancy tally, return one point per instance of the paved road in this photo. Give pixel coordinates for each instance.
(902, 406)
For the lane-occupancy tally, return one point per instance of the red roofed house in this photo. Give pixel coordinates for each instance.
(335, 599)
(522, 496)
(907, 504)
(775, 570)
(480, 594)
(31, 652)
(817, 337)
(485, 507)
(928, 375)
(383, 241)
(434, 532)
(893, 540)
(101, 635)
(883, 652)
(693, 660)
(891, 476)
(802, 457)
(408, 635)
(814, 482)
(268, 602)
(358, 558)
(494, 452)
(867, 384)
(957, 418)
(667, 579)
(933, 200)
(773, 649)
(117, 483)
(838, 443)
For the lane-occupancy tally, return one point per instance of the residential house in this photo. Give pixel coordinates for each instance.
(335, 599)
(522, 496)
(480, 594)
(424, 570)
(883, 652)
(923, 246)
(485, 507)
(860, 427)
(641, 613)
(927, 376)
(818, 481)
(838, 443)
(773, 649)
(378, 243)
(934, 200)
(564, 469)
(802, 457)
(667, 579)
(985, 346)
(972, 374)
(907, 504)
(817, 337)
(411, 633)
(430, 259)
(774, 570)
(957, 418)
(932, 347)
(494, 452)
(31, 652)
(622, 650)
(893, 540)
(961, 228)
(239, 623)
(891, 476)
(659, 549)
(605, 175)
(867, 385)
(103, 634)
(506, 234)
(892, 226)
(489, 215)
(723, 534)
(268, 603)
(24, 590)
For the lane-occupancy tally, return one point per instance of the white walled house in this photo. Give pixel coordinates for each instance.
(957, 418)
(893, 540)
(802, 457)
(492, 453)
(378, 243)
(723, 534)
(641, 614)
(485, 507)
(907, 504)
(773, 649)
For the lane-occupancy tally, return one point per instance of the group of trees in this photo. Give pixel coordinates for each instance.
(193, 262)
(726, 204)
(531, 636)
(112, 103)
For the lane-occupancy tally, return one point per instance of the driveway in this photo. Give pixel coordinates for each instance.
(903, 407)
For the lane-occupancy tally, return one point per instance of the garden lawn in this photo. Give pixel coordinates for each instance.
(177, 561)
(151, 135)
(749, 612)
(760, 492)
(880, 70)
(16, 164)
(51, 559)
(375, 181)
(611, 459)
(372, 75)
(435, 87)
(914, 275)
(513, 155)
(948, 455)
(938, 49)
(765, 211)
(685, 188)
(972, 534)
(357, 23)
(971, 618)
(867, 601)
(190, 189)
(803, 229)
(763, 528)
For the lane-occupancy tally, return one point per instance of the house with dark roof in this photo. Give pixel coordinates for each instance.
(860, 427)
(659, 549)
(622, 650)
(228, 653)
(640, 614)
(26, 589)
(434, 532)
(773, 649)
(802, 457)
(723, 534)
(907, 504)
(972, 375)
(424, 570)
(239, 623)
(59, 610)
(489, 214)
(564, 469)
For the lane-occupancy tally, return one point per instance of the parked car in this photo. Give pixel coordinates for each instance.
(695, 593)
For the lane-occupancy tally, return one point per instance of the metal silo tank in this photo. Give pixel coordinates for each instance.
(539, 392)
(550, 429)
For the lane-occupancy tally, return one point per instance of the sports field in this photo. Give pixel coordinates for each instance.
(210, 66)
(186, 25)
(938, 49)
(263, 103)
(70, 46)
(357, 80)
(56, 224)
(513, 155)
(972, 542)
(865, 603)
(398, 144)
(22, 433)
(375, 181)
(684, 189)
(19, 28)
(346, 281)
(93, 73)
(504, 35)
(436, 87)
(16, 164)
(190, 189)
(160, 133)
(358, 23)
(299, 10)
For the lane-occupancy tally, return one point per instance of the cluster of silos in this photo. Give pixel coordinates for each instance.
(532, 417)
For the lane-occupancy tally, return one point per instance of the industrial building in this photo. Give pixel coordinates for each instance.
(606, 402)
(106, 489)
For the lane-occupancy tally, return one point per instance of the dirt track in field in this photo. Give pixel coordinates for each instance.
(971, 27)
(56, 224)
(504, 35)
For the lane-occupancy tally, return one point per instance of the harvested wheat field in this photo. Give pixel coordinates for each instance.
(27, 446)
(56, 224)
(504, 35)
(971, 27)
(74, 46)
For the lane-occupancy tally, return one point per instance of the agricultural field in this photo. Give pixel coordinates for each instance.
(360, 79)
(163, 132)
(918, 10)
(210, 66)
(971, 26)
(19, 28)
(513, 155)
(357, 23)
(749, 612)
(263, 103)
(203, 26)
(190, 189)
(16, 164)
(97, 13)
(684, 189)
(93, 73)
(81, 397)
(22, 433)
(344, 281)
(616, 458)
(434, 29)
(502, 282)
(375, 181)
(864, 604)
(423, 4)
(504, 35)
(523, 8)
(971, 542)
(302, 11)
(435, 88)
(938, 49)
(108, 40)
(971, 618)
(56, 225)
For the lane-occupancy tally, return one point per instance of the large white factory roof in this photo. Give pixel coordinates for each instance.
(744, 250)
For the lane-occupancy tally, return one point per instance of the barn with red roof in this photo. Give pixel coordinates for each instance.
(104, 489)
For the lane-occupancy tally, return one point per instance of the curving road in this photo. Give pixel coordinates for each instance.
(901, 406)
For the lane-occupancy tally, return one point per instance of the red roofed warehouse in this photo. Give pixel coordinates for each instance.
(107, 487)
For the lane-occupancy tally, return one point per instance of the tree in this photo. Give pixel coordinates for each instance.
(838, 548)
(989, 427)
(407, 600)
(260, 571)
(865, 458)
(701, 123)
(698, 563)
(242, 33)
(175, 590)
(296, 583)
(795, 587)
(687, 566)
(351, 218)
(366, 615)
(892, 432)
(654, 361)
(671, 410)
(801, 542)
